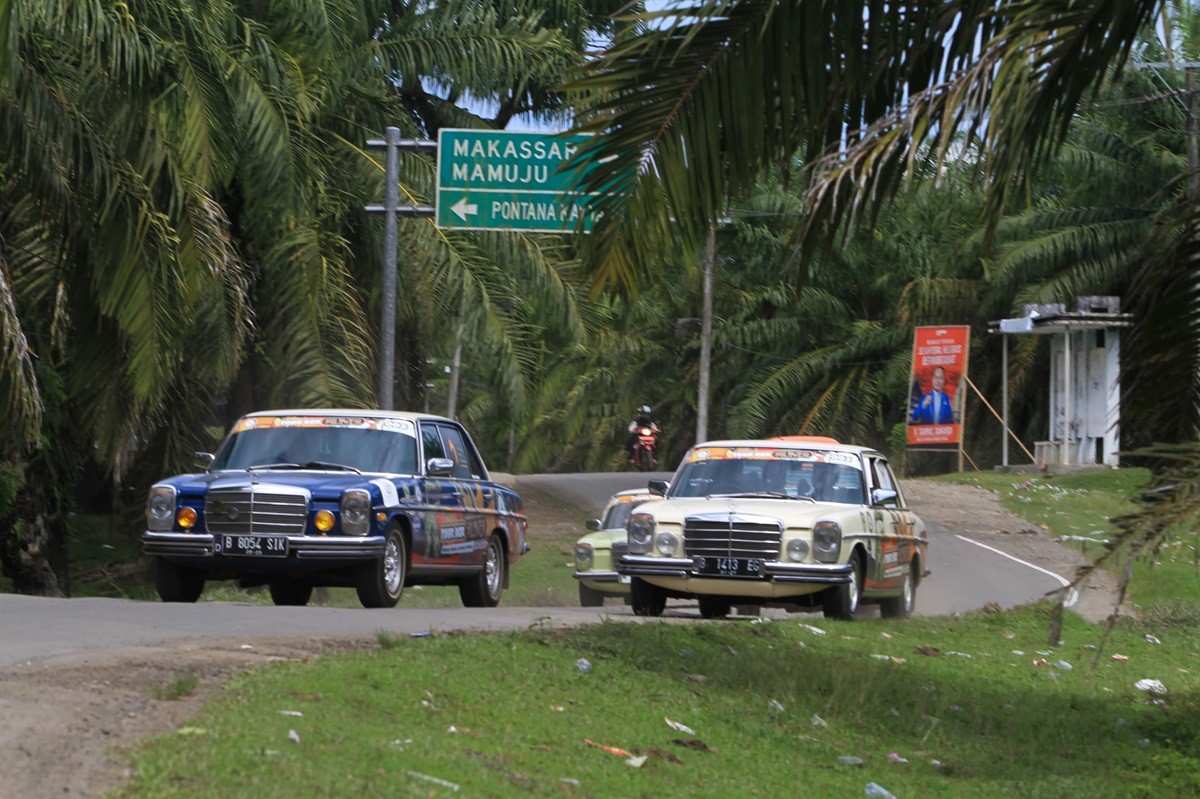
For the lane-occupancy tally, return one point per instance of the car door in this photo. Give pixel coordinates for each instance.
(895, 527)
(455, 527)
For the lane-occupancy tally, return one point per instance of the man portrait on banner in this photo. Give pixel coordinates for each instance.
(934, 406)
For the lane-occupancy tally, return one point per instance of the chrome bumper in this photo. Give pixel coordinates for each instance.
(602, 577)
(301, 547)
(773, 570)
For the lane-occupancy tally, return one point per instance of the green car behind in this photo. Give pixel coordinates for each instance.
(594, 563)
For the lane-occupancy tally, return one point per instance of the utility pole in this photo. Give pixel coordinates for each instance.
(391, 209)
(710, 247)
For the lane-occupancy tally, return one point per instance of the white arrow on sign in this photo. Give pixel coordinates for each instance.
(464, 209)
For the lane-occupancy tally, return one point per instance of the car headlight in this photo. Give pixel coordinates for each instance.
(666, 543)
(797, 549)
(583, 555)
(640, 533)
(827, 541)
(356, 512)
(160, 508)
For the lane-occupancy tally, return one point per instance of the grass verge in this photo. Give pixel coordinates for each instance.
(977, 706)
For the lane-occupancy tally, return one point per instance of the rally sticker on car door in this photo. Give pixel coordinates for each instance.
(391, 498)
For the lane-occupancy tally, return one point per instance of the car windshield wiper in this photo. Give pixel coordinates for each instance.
(340, 467)
(762, 494)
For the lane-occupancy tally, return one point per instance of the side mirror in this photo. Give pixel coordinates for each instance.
(593, 525)
(203, 460)
(883, 496)
(439, 467)
(658, 487)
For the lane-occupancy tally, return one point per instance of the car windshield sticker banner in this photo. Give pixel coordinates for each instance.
(936, 385)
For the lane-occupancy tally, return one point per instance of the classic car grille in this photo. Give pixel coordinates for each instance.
(250, 510)
(619, 548)
(732, 535)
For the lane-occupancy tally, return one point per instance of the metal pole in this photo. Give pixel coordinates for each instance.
(1004, 399)
(1068, 410)
(387, 326)
(706, 337)
(455, 368)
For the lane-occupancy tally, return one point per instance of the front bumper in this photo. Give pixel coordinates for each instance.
(773, 571)
(300, 547)
(610, 577)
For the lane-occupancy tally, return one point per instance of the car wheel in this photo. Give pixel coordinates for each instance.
(712, 607)
(589, 597)
(380, 582)
(901, 607)
(290, 592)
(646, 599)
(176, 583)
(483, 590)
(841, 601)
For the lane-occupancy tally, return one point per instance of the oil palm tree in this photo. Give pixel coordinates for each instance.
(182, 194)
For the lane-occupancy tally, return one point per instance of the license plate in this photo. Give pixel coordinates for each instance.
(730, 567)
(258, 546)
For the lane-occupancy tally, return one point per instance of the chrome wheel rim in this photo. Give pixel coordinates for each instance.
(492, 568)
(854, 587)
(391, 567)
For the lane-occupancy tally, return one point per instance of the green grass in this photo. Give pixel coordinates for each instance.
(773, 706)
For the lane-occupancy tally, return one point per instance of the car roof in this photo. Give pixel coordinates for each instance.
(787, 442)
(366, 413)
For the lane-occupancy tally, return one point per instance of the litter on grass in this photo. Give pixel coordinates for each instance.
(1152, 687)
(435, 780)
(675, 725)
(612, 750)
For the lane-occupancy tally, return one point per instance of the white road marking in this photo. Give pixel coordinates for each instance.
(1072, 594)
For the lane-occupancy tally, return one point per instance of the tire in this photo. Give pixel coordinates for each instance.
(901, 607)
(290, 592)
(712, 607)
(483, 590)
(176, 583)
(841, 601)
(646, 599)
(590, 597)
(380, 582)
(645, 460)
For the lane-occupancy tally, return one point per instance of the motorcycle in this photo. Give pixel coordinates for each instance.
(644, 449)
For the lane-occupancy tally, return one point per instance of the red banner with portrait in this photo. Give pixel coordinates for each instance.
(937, 385)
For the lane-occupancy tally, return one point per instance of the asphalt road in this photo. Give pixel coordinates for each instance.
(966, 576)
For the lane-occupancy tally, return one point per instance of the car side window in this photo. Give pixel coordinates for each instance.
(432, 443)
(466, 464)
(884, 479)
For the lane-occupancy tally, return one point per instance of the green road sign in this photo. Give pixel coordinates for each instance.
(508, 180)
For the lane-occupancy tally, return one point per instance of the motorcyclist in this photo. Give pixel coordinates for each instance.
(643, 419)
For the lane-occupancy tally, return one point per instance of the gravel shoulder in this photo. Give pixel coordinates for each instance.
(69, 723)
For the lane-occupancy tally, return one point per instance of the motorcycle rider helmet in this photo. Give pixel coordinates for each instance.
(644, 410)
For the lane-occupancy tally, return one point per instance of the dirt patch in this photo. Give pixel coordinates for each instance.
(69, 723)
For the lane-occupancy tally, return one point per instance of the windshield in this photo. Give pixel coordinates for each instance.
(361, 448)
(618, 515)
(790, 479)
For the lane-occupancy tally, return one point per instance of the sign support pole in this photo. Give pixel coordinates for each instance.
(391, 209)
(387, 327)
